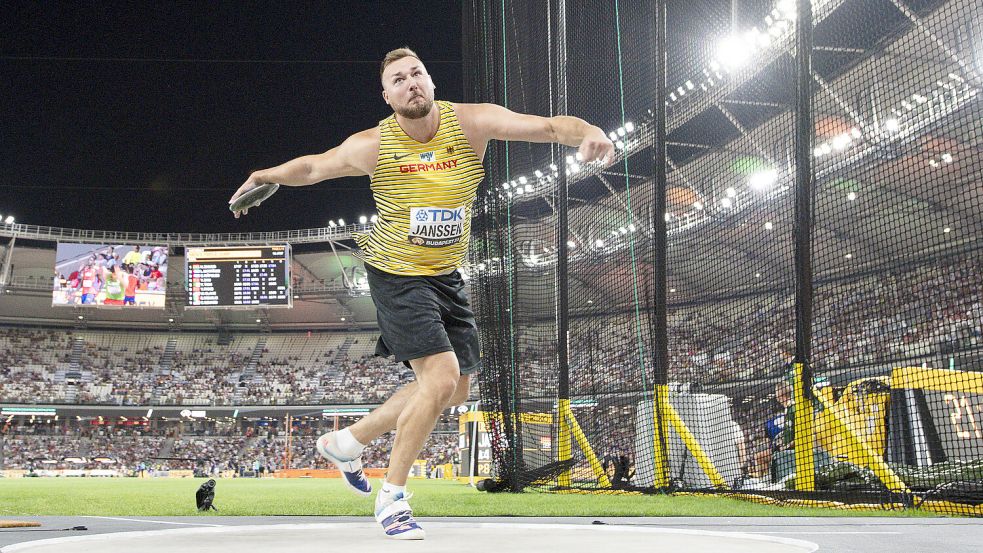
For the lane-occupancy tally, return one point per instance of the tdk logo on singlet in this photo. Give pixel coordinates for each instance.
(438, 215)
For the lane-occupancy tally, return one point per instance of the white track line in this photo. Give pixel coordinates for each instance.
(155, 521)
(830, 532)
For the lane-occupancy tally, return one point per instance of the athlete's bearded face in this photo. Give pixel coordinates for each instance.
(407, 88)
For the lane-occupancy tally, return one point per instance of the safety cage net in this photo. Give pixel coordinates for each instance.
(774, 290)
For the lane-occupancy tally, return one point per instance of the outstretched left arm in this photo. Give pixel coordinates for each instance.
(484, 122)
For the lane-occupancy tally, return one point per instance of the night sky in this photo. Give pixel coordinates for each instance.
(116, 117)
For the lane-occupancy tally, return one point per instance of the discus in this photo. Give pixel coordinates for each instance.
(254, 197)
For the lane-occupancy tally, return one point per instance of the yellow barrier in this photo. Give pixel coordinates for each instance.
(661, 436)
(805, 453)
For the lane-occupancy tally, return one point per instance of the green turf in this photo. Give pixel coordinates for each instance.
(150, 497)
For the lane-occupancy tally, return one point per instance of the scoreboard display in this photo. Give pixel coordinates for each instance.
(936, 415)
(958, 418)
(238, 277)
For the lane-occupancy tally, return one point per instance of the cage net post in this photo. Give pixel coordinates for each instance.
(895, 351)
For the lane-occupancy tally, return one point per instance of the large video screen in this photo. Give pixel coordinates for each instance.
(238, 277)
(110, 275)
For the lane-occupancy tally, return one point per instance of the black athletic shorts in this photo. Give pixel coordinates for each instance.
(424, 315)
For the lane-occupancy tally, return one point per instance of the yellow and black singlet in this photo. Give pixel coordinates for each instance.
(424, 193)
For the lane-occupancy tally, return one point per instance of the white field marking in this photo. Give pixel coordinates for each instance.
(829, 532)
(155, 521)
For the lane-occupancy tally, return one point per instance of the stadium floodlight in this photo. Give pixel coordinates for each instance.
(619, 145)
(698, 206)
(731, 192)
(341, 222)
(667, 216)
(726, 203)
(332, 224)
(9, 220)
(673, 290)
(762, 181)
(851, 196)
(362, 219)
(733, 53)
(259, 320)
(947, 157)
(892, 125)
(81, 317)
(629, 126)
(817, 151)
(343, 319)
(841, 141)
(528, 188)
(538, 173)
(757, 275)
(848, 256)
(374, 218)
(613, 136)
(622, 230)
(575, 167)
(621, 131)
(571, 244)
(787, 8)
(769, 225)
(614, 233)
(523, 180)
(631, 228)
(599, 243)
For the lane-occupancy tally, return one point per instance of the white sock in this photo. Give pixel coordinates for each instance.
(391, 490)
(347, 445)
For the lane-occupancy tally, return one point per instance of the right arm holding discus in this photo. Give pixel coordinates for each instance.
(356, 156)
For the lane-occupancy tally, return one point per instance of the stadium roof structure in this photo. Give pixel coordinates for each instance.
(890, 171)
(896, 179)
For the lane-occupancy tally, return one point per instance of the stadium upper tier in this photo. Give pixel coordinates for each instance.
(875, 320)
(160, 368)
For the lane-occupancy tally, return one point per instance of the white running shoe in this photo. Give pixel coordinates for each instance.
(351, 470)
(396, 517)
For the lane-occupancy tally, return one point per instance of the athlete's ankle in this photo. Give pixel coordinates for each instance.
(346, 445)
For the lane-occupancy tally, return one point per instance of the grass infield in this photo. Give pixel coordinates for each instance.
(276, 496)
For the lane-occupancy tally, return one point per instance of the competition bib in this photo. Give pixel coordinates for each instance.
(434, 227)
(113, 287)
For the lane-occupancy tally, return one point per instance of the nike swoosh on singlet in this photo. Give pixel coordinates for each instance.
(397, 158)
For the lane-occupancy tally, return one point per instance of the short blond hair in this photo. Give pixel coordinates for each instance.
(395, 55)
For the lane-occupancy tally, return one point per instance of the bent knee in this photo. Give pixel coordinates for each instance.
(443, 388)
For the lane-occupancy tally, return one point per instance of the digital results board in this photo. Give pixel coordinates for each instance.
(238, 277)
